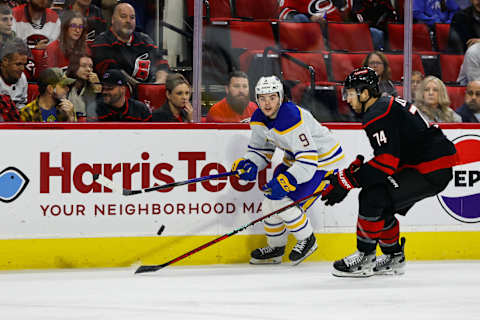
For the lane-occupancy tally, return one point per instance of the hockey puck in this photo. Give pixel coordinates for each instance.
(161, 230)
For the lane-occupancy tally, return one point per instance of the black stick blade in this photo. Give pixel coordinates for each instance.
(143, 269)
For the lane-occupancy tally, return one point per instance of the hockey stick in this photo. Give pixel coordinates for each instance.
(128, 192)
(152, 268)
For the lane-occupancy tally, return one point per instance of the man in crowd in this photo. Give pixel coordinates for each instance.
(52, 104)
(471, 65)
(115, 106)
(122, 48)
(236, 106)
(465, 28)
(13, 58)
(95, 22)
(6, 23)
(470, 110)
(36, 23)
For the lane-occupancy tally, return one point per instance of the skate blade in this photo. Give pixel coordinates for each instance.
(277, 260)
(390, 272)
(309, 253)
(359, 274)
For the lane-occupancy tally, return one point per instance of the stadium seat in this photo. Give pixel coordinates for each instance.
(399, 90)
(457, 95)
(301, 36)
(153, 95)
(253, 35)
(294, 72)
(344, 63)
(218, 9)
(32, 92)
(255, 9)
(442, 31)
(421, 37)
(396, 65)
(450, 64)
(352, 37)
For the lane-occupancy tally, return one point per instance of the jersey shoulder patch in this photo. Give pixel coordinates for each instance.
(288, 118)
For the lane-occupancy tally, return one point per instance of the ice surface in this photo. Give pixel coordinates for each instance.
(428, 290)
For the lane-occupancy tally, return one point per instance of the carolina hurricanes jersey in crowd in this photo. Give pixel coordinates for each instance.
(136, 57)
(324, 8)
(401, 138)
(48, 27)
(308, 146)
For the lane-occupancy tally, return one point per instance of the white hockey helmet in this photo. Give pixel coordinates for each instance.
(267, 85)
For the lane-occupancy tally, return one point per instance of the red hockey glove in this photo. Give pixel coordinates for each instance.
(341, 183)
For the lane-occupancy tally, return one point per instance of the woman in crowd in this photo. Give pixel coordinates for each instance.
(72, 41)
(378, 62)
(177, 108)
(85, 89)
(433, 101)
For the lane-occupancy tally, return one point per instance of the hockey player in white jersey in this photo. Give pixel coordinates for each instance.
(310, 153)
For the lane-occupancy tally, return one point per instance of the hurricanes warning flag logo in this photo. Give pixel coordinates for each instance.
(461, 198)
(12, 184)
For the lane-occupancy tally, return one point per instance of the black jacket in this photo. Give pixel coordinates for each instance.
(164, 114)
(132, 111)
(461, 29)
(466, 113)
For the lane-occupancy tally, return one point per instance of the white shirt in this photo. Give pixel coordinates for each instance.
(18, 92)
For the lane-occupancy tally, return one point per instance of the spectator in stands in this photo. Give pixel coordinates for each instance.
(236, 106)
(122, 48)
(379, 62)
(6, 23)
(13, 58)
(463, 4)
(177, 108)
(470, 110)
(115, 106)
(85, 90)
(36, 23)
(8, 110)
(52, 104)
(465, 28)
(13, 3)
(417, 78)
(377, 14)
(315, 10)
(96, 24)
(433, 101)
(470, 68)
(434, 11)
(72, 41)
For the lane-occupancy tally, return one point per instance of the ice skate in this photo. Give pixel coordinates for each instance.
(391, 264)
(357, 265)
(267, 255)
(303, 249)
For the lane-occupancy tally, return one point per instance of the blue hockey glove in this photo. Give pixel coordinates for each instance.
(280, 186)
(341, 183)
(248, 166)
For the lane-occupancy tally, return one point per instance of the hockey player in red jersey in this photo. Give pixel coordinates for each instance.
(412, 161)
(314, 10)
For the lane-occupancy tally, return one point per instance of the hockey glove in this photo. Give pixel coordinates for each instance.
(248, 166)
(341, 183)
(280, 186)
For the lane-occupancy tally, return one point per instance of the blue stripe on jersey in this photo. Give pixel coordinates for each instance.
(308, 151)
(309, 163)
(339, 151)
(260, 149)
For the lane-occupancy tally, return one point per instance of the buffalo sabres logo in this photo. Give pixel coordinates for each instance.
(320, 7)
(12, 184)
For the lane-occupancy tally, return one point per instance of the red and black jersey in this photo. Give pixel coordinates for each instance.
(401, 138)
(136, 57)
(132, 111)
(323, 8)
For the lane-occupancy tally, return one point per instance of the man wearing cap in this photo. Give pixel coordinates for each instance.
(52, 104)
(13, 82)
(115, 107)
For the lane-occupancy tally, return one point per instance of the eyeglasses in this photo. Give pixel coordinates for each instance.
(375, 63)
(76, 26)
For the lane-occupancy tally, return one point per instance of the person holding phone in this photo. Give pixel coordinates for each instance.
(177, 108)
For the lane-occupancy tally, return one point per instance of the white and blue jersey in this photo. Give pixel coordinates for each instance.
(310, 150)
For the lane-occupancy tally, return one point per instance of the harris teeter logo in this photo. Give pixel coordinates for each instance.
(461, 198)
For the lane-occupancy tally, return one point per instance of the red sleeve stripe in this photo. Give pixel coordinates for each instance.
(434, 165)
(370, 226)
(387, 160)
(381, 167)
(391, 233)
(380, 116)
